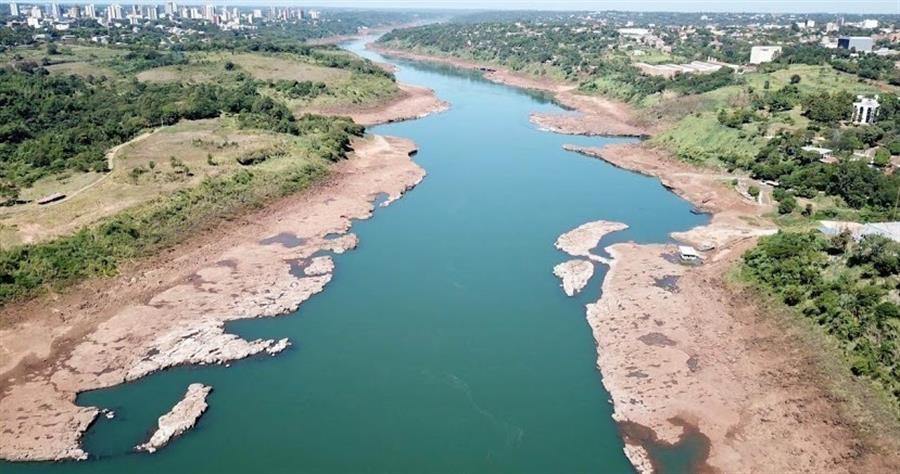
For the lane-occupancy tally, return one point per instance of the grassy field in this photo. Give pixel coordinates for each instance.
(344, 88)
(696, 135)
(814, 79)
(702, 139)
(208, 67)
(150, 166)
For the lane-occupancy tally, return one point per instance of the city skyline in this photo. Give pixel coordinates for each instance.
(753, 6)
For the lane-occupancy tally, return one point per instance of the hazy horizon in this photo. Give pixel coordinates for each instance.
(711, 6)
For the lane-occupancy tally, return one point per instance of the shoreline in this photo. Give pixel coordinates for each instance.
(710, 364)
(593, 115)
(414, 102)
(174, 314)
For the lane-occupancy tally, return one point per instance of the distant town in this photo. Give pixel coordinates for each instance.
(61, 17)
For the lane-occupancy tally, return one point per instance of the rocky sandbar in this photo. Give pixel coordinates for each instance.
(182, 417)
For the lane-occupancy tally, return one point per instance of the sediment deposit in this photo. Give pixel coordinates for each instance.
(574, 275)
(580, 241)
(182, 417)
(173, 312)
(683, 353)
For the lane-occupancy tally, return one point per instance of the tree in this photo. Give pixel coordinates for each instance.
(882, 158)
(795, 79)
(787, 204)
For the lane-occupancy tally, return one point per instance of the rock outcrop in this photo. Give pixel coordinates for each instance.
(579, 241)
(182, 417)
(574, 274)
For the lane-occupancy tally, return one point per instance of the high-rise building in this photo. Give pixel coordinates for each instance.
(153, 12)
(36, 13)
(74, 12)
(13, 9)
(54, 10)
(171, 9)
(210, 12)
(90, 11)
(114, 12)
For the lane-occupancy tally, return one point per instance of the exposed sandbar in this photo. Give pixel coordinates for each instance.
(171, 310)
(593, 115)
(182, 417)
(580, 241)
(574, 275)
(700, 357)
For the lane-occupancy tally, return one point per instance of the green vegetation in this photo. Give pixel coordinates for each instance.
(849, 288)
(99, 249)
(231, 133)
(578, 51)
(755, 123)
(56, 123)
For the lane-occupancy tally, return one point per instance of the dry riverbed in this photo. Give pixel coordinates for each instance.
(591, 115)
(172, 311)
(684, 353)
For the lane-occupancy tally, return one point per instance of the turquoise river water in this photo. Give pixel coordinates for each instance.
(444, 342)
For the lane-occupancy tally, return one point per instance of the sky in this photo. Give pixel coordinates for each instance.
(768, 6)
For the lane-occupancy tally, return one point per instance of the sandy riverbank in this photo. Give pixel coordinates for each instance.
(592, 115)
(171, 310)
(683, 352)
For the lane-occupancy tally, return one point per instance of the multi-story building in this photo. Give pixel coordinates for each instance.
(13, 9)
(171, 9)
(114, 12)
(865, 110)
(862, 44)
(763, 54)
(153, 12)
(90, 11)
(73, 12)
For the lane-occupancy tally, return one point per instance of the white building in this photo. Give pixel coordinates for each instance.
(13, 9)
(90, 11)
(869, 24)
(114, 12)
(865, 110)
(36, 13)
(764, 54)
(861, 44)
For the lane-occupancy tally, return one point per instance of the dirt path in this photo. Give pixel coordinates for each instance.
(110, 158)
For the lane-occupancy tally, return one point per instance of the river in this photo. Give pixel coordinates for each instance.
(444, 342)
